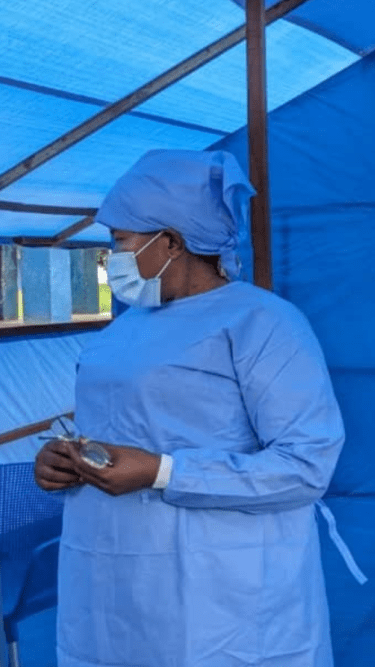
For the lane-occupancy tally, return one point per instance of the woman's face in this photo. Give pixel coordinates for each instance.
(152, 259)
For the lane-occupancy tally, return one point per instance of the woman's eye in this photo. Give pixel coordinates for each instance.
(124, 244)
(123, 247)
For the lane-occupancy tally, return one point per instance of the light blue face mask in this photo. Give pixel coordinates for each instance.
(126, 282)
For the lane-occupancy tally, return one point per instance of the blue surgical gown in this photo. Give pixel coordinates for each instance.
(222, 568)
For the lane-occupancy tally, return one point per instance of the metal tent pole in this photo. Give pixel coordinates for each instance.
(257, 132)
(31, 429)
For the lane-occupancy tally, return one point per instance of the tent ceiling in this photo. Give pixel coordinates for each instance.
(102, 50)
(348, 23)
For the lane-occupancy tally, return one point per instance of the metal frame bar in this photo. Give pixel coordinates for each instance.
(45, 242)
(256, 20)
(139, 96)
(257, 142)
(10, 330)
(58, 239)
(280, 9)
(73, 229)
(30, 429)
(45, 209)
(66, 95)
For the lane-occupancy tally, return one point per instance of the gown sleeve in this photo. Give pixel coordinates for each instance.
(291, 406)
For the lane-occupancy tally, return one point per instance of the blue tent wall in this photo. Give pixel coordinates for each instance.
(322, 165)
(37, 378)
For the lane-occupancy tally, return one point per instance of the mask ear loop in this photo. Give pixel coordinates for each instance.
(164, 267)
(146, 246)
(148, 243)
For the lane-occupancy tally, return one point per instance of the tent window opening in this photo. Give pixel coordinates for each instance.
(40, 285)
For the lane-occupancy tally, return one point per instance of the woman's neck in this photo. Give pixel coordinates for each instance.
(193, 278)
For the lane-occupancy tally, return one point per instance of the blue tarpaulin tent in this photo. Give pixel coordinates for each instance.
(322, 188)
(62, 64)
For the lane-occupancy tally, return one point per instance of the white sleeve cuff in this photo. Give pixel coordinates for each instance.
(164, 473)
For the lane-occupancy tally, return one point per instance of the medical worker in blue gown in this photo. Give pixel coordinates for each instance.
(199, 546)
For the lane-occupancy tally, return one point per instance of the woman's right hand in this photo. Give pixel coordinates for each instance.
(54, 468)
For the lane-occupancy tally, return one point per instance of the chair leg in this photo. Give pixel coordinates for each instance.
(14, 658)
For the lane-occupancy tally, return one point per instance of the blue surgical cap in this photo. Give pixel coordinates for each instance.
(204, 195)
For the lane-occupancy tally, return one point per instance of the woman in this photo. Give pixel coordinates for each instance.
(198, 547)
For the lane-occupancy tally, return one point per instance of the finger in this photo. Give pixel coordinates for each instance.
(53, 460)
(53, 475)
(89, 478)
(83, 468)
(55, 486)
(89, 474)
(57, 446)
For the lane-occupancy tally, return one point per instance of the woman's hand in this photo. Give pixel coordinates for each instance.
(132, 469)
(54, 469)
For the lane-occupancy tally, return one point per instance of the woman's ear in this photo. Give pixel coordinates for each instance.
(175, 241)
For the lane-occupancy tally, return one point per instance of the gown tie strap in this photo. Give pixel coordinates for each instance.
(340, 544)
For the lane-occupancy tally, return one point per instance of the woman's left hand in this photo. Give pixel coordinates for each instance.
(133, 469)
